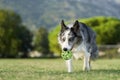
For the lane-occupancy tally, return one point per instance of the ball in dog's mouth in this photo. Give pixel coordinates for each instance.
(66, 55)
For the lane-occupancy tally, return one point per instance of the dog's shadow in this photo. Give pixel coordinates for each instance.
(105, 71)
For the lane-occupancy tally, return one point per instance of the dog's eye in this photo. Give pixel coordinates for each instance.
(63, 39)
(71, 39)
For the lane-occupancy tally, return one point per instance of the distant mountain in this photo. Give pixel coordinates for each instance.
(48, 13)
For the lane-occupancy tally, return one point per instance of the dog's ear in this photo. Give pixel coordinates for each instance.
(63, 26)
(76, 26)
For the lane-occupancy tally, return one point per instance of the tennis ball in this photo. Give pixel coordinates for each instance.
(66, 55)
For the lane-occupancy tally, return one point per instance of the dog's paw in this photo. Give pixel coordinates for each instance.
(86, 68)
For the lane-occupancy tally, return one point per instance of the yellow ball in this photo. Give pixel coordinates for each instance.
(66, 55)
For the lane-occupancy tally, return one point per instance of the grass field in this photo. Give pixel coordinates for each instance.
(55, 69)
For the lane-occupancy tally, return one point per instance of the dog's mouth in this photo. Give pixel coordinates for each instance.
(71, 48)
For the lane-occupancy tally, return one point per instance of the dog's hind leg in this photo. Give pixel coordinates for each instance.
(69, 65)
(86, 65)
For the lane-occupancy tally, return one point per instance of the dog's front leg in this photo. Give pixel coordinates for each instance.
(86, 64)
(69, 65)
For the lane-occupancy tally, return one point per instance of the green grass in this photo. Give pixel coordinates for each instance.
(55, 69)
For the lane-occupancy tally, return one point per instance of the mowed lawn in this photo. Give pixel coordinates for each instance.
(55, 69)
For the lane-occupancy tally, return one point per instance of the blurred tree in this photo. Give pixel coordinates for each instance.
(26, 40)
(10, 30)
(40, 41)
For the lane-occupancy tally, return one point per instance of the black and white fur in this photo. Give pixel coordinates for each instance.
(76, 37)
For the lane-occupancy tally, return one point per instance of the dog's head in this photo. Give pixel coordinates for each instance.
(69, 35)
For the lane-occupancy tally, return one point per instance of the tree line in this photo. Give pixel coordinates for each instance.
(16, 40)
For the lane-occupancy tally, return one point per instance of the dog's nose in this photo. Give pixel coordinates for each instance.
(65, 49)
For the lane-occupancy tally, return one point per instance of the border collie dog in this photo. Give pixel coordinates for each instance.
(76, 37)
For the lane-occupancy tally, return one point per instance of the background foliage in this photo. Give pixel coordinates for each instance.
(53, 41)
(40, 41)
(14, 37)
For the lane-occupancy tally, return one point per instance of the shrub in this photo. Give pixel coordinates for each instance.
(53, 41)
